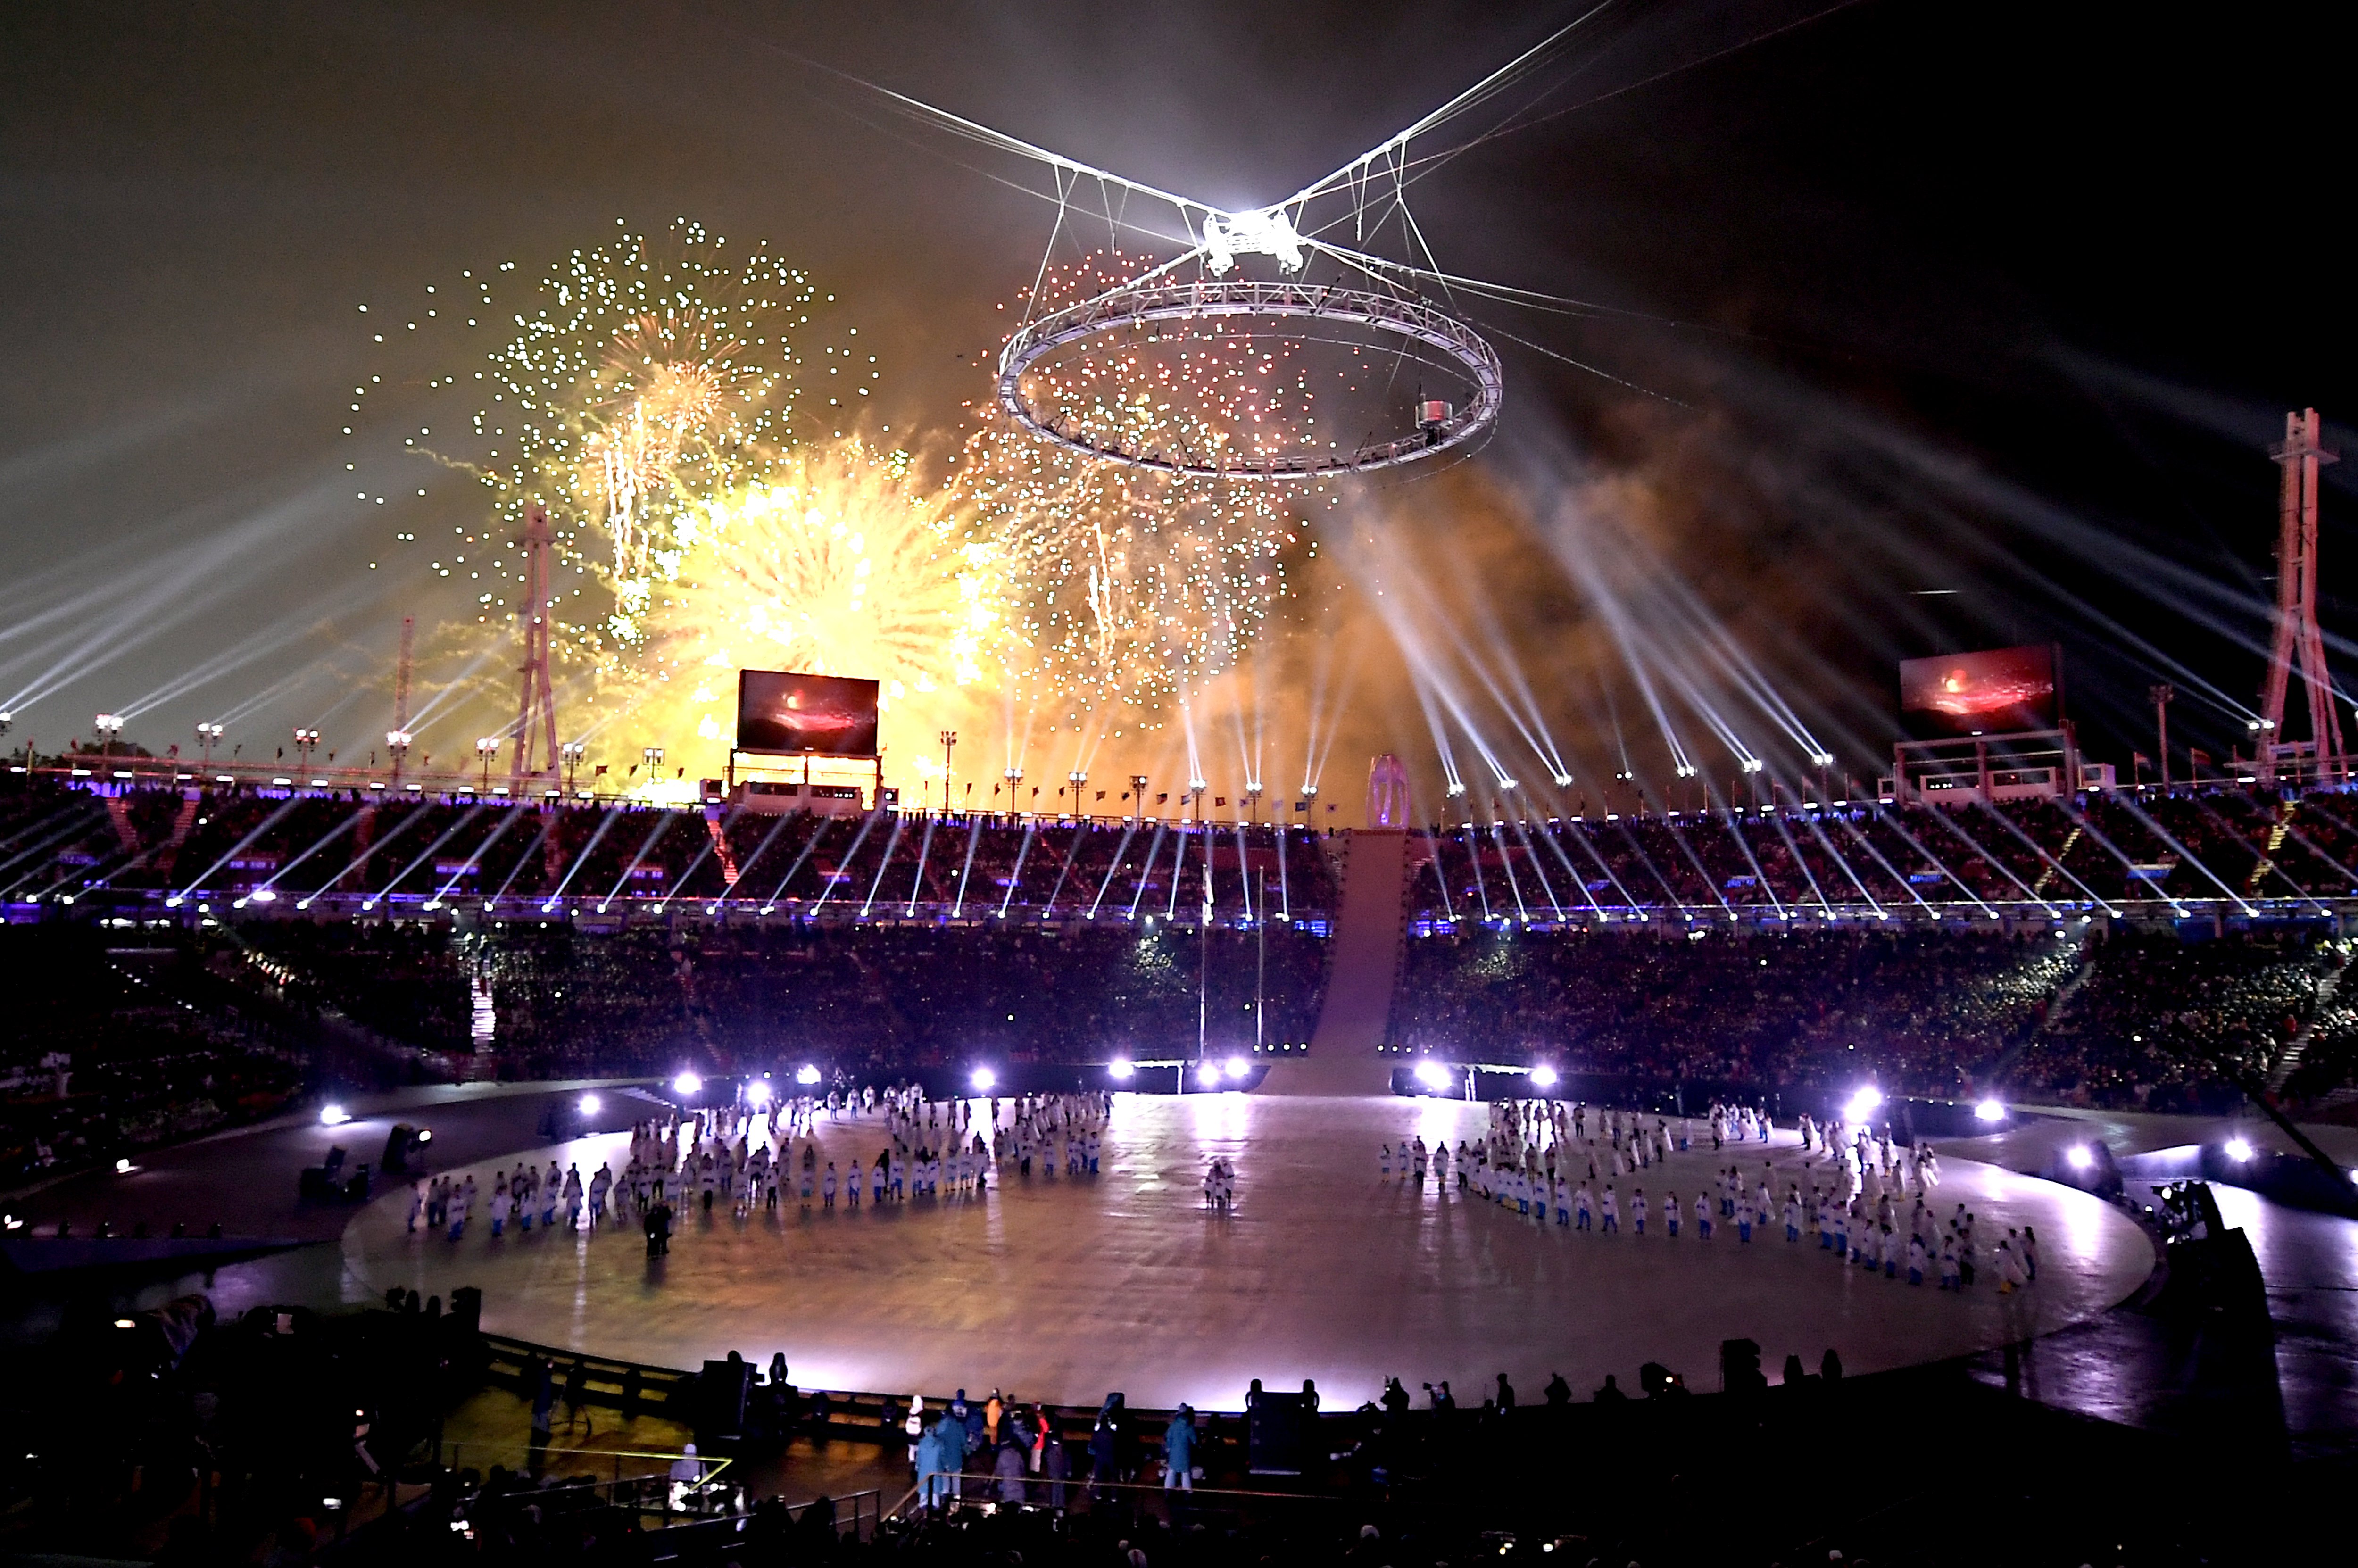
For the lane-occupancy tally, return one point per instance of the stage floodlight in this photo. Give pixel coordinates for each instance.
(984, 1080)
(1433, 1074)
(687, 1086)
(1863, 1104)
(1207, 1072)
(1989, 1110)
(757, 1093)
(333, 1116)
(1120, 1068)
(1543, 1077)
(1237, 1066)
(590, 1104)
(2239, 1150)
(2078, 1157)
(807, 1075)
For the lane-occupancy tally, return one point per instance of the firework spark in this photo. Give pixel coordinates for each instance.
(1139, 585)
(836, 562)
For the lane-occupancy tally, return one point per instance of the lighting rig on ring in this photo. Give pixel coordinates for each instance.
(1366, 198)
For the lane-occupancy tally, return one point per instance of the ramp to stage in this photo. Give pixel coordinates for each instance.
(1363, 967)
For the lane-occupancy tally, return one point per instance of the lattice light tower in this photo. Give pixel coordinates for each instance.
(2298, 457)
(536, 704)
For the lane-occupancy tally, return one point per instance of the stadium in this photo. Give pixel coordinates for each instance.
(1309, 901)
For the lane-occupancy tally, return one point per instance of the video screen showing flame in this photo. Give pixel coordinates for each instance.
(1991, 692)
(828, 715)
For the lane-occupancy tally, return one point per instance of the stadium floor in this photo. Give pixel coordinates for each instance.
(1060, 1290)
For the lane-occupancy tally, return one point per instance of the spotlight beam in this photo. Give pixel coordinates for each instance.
(321, 842)
(917, 881)
(965, 871)
(883, 863)
(850, 857)
(809, 844)
(264, 825)
(1065, 867)
(428, 852)
(548, 820)
(508, 820)
(1128, 831)
(1154, 849)
(606, 820)
(1440, 875)
(1893, 822)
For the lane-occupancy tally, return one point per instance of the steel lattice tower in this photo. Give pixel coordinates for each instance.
(536, 706)
(2298, 457)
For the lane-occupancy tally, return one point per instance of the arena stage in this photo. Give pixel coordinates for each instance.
(1060, 1289)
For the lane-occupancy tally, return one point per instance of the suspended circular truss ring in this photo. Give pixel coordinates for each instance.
(1121, 308)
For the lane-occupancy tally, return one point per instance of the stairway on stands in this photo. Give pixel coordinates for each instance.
(1363, 966)
(2038, 888)
(118, 811)
(2268, 860)
(2057, 1004)
(184, 822)
(2287, 1061)
(721, 849)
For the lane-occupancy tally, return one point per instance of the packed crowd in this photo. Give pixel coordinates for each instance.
(1921, 1010)
(2116, 1017)
(122, 1046)
(871, 1000)
(2111, 849)
(235, 844)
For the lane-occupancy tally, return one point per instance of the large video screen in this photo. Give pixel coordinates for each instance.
(1991, 692)
(828, 715)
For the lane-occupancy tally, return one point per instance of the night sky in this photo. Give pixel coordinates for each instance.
(2001, 298)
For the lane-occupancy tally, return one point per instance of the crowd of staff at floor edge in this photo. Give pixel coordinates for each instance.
(1569, 1161)
(742, 1160)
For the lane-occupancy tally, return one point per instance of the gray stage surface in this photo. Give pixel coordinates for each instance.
(1061, 1290)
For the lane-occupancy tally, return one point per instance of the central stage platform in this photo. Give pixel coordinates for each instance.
(1060, 1290)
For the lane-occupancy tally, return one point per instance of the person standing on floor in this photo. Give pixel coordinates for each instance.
(1179, 1450)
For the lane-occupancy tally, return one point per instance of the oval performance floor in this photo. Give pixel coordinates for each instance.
(1060, 1290)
